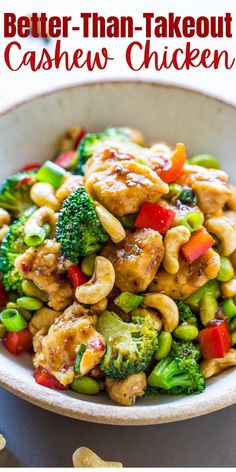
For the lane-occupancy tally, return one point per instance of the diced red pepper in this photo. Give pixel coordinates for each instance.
(65, 159)
(152, 215)
(3, 296)
(214, 340)
(30, 166)
(18, 342)
(44, 378)
(198, 244)
(80, 137)
(77, 277)
(173, 168)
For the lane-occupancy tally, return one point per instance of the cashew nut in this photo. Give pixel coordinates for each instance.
(155, 318)
(39, 217)
(2, 442)
(42, 194)
(166, 306)
(111, 224)
(228, 289)
(174, 239)
(215, 366)
(85, 458)
(224, 231)
(100, 285)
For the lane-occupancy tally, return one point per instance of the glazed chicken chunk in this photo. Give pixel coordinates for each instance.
(126, 391)
(111, 153)
(136, 259)
(46, 267)
(189, 277)
(122, 188)
(210, 186)
(58, 349)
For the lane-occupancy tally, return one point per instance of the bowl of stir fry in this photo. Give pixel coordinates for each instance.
(118, 253)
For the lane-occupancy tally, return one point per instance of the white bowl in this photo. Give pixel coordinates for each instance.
(29, 132)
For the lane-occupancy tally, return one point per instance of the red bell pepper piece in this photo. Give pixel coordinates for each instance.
(18, 342)
(79, 138)
(214, 340)
(77, 277)
(65, 159)
(198, 244)
(3, 296)
(152, 215)
(173, 167)
(30, 166)
(44, 378)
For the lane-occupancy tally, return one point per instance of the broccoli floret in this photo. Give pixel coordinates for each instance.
(15, 193)
(78, 229)
(90, 144)
(130, 346)
(12, 246)
(179, 373)
(185, 314)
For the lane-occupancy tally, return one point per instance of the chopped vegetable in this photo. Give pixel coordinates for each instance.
(226, 270)
(205, 160)
(77, 277)
(188, 196)
(51, 173)
(173, 168)
(65, 159)
(79, 356)
(192, 221)
(30, 166)
(229, 307)
(12, 320)
(214, 340)
(18, 342)
(128, 301)
(210, 288)
(198, 244)
(15, 193)
(42, 377)
(155, 216)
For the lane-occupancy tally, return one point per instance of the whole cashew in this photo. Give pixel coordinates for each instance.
(215, 366)
(174, 239)
(86, 458)
(39, 217)
(166, 306)
(224, 231)
(42, 194)
(145, 312)
(111, 224)
(100, 285)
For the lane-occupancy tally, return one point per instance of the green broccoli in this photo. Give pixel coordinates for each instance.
(78, 229)
(185, 314)
(15, 193)
(179, 373)
(12, 246)
(91, 142)
(130, 346)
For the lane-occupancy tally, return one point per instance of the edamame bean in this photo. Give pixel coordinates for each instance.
(186, 332)
(226, 272)
(164, 345)
(88, 264)
(85, 385)
(12, 305)
(229, 308)
(208, 307)
(29, 303)
(205, 160)
(30, 289)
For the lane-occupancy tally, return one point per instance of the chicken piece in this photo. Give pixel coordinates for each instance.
(231, 215)
(215, 366)
(69, 185)
(189, 277)
(43, 319)
(110, 153)
(59, 348)
(136, 259)
(210, 186)
(47, 268)
(122, 188)
(125, 391)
